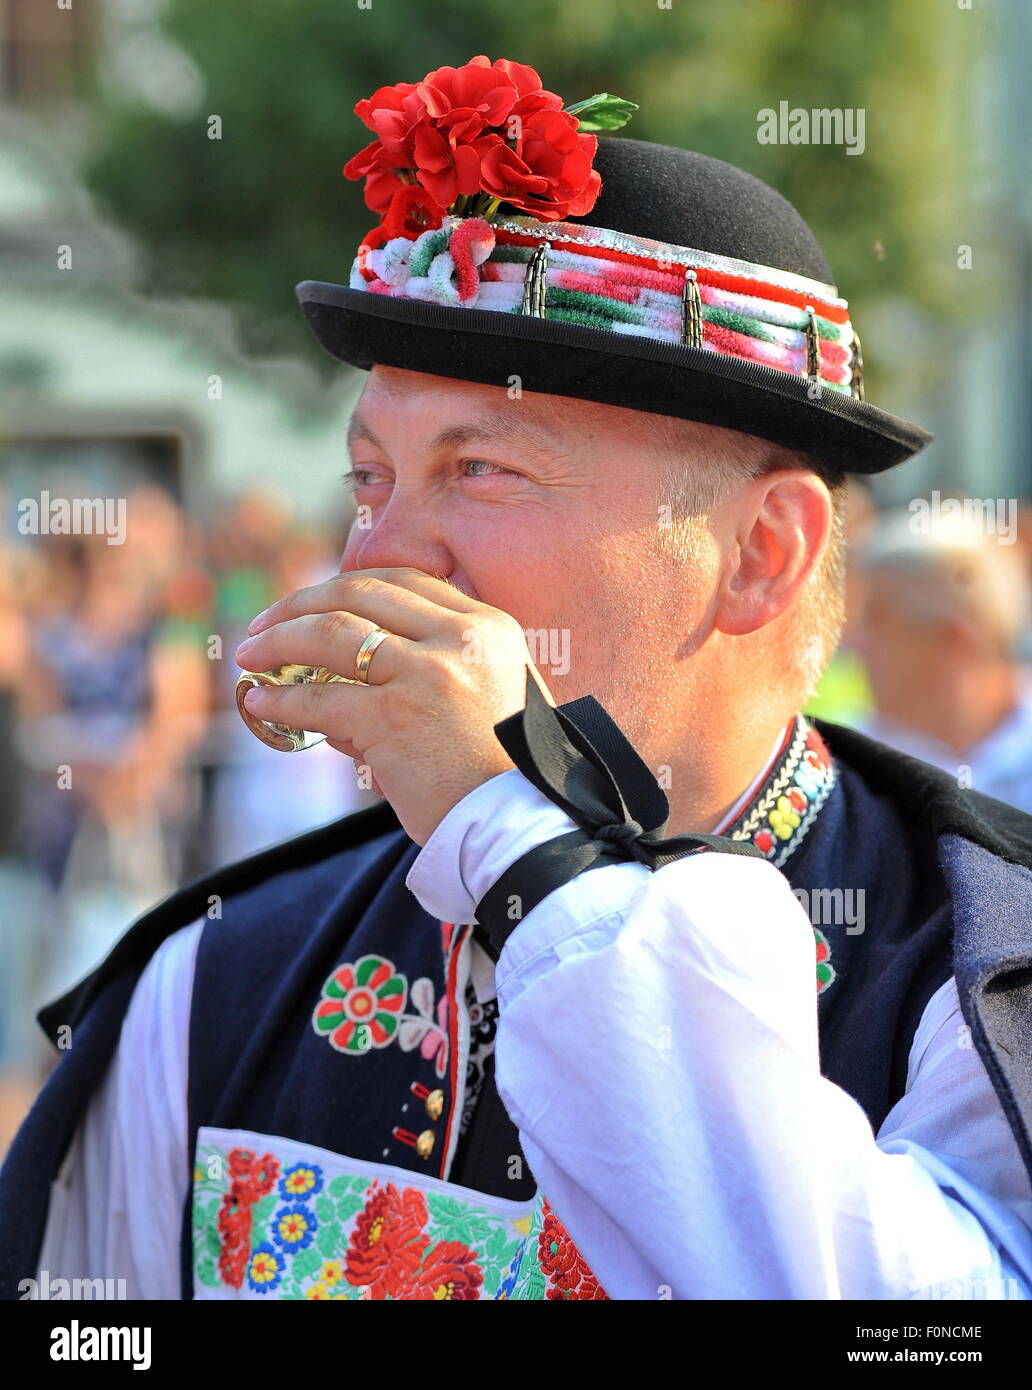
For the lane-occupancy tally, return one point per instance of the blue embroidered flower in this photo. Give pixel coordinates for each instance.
(302, 1180)
(265, 1268)
(294, 1227)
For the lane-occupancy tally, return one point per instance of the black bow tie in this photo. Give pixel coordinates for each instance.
(577, 756)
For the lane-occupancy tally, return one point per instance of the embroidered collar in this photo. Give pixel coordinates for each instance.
(787, 797)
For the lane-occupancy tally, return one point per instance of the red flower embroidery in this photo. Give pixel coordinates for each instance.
(563, 1264)
(450, 1271)
(252, 1178)
(388, 1241)
(825, 969)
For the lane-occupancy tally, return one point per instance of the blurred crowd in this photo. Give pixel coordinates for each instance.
(127, 770)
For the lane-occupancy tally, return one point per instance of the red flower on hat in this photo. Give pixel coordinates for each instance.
(383, 170)
(392, 114)
(445, 168)
(549, 172)
(475, 136)
(469, 98)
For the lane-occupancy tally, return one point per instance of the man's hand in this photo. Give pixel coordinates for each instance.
(424, 725)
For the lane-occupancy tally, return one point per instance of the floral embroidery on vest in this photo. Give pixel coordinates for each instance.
(825, 969)
(323, 1231)
(785, 806)
(363, 1006)
(563, 1263)
(251, 1180)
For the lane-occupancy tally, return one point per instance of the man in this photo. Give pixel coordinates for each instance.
(498, 1037)
(942, 617)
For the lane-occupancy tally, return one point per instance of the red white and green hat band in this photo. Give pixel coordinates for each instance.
(621, 283)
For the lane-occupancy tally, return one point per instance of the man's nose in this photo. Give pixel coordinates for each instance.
(399, 536)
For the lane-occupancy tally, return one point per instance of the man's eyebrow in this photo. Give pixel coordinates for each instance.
(499, 429)
(358, 429)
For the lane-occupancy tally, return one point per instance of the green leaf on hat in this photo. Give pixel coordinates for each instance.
(603, 111)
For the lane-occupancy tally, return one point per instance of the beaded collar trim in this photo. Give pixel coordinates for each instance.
(599, 278)
(788, 800)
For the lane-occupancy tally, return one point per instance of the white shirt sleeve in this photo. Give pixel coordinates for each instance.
(657, 1048)
(116, 1206)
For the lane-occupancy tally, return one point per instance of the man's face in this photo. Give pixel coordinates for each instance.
(548, 508)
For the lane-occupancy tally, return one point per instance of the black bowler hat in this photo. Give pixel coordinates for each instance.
(691, 289)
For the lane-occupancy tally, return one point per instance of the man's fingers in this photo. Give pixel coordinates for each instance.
(345, 711)
(324, 639)
(405, 601)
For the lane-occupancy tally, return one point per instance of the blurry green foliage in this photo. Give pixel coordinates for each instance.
(246, 217)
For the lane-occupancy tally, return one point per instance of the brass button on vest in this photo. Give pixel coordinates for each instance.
(435, 1104)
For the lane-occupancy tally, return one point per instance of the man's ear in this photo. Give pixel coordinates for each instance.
(780, 524)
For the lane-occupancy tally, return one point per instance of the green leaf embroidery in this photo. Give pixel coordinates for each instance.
(454, 1221)
(306, 1262)
(325, 1208)
(348, 1206)
(264, 1207)
(497, 1244)
(443, 1209)
(533, 1288)
(328, 1239)
(206, 1272)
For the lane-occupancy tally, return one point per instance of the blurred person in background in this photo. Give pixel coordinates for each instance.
(258, 551)
(112, 701)
(107, 666)
(943, 609)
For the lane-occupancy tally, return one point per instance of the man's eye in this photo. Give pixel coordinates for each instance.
(362, 477)
(480, 468)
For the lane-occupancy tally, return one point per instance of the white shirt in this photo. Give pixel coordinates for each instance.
(657, 1050)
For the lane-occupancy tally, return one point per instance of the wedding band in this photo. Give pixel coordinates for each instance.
(365, 653)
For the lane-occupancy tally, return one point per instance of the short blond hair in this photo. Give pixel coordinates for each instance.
(733, 459)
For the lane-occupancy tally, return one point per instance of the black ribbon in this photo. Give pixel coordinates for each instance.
(577, 756)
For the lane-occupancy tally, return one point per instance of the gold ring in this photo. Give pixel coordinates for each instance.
(365, 653)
